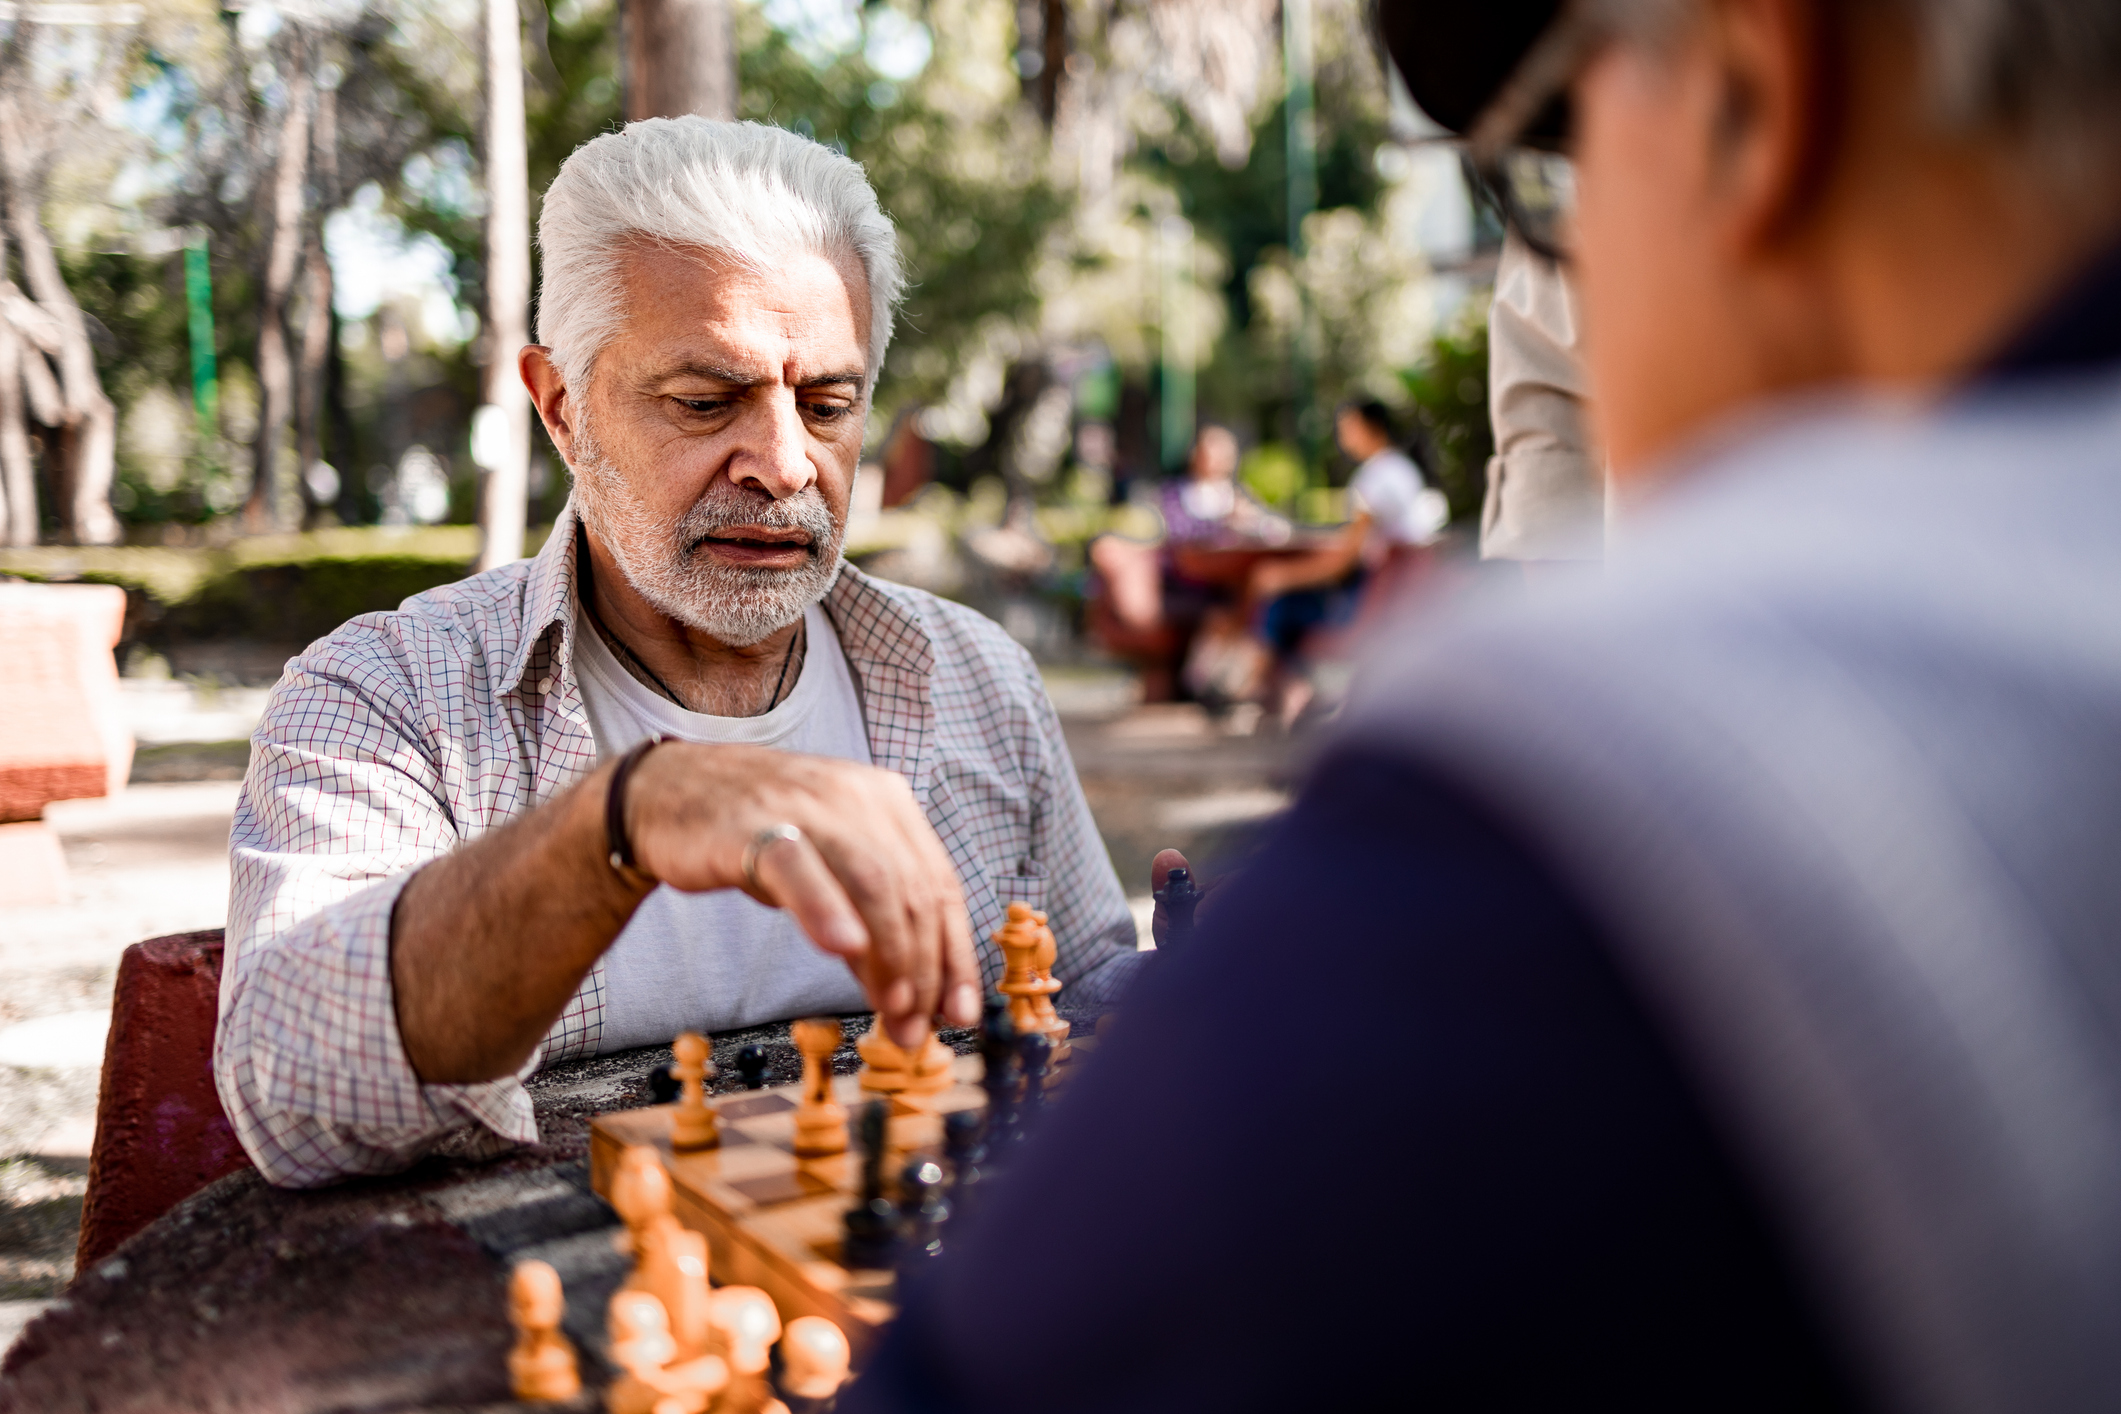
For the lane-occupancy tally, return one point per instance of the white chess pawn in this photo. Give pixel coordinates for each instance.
(814, 1358)
(642, 1348)
(692, 1124)
(542, 1365)
(748, 1323)
(670, 1261)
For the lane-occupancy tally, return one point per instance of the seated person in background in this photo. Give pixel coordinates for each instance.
(560, 808)
(1396, 517)
(1148, 602)
(1710, 982)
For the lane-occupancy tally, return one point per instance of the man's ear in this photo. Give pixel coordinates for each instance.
(548, 391)
(1777, 106)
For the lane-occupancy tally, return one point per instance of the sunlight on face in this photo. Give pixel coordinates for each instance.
(717, 448)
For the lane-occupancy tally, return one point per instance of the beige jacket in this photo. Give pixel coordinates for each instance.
(1546, 482)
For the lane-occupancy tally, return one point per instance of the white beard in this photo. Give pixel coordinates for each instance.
(738, 606)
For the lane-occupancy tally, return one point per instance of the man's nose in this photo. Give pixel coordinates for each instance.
(773, 455)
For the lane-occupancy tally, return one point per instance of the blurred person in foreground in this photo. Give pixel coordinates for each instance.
(1710, 983)
(1362, 567)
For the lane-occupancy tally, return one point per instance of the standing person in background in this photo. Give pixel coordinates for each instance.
(1396, 516)
(1545, 506)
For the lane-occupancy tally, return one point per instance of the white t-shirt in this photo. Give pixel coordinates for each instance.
(1405, 509)
(712, 962)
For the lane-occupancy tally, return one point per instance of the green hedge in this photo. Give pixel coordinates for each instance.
(276, 589)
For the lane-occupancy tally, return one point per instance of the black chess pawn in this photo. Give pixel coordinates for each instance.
(663, 1087)
(1178, 898)
(751, 1064)
(922, 1210)
(965, 1150)
(1035, 1050)
(997, 1048)
(872, 1224)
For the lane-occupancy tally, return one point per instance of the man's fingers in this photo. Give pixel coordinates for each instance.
(1160, 867)
(793, 875)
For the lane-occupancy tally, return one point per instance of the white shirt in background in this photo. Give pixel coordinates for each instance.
(1403, 507)
(713, 962)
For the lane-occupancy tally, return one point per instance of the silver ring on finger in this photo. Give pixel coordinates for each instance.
(759, 841)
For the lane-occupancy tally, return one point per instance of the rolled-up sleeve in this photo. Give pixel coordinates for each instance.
(1086, 908)
(342, 803)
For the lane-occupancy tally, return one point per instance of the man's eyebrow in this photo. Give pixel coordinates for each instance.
(828, 380)
(712, 372)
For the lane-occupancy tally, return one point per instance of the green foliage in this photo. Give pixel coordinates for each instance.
(302, 600)
(1449, 390)
(1274, 472)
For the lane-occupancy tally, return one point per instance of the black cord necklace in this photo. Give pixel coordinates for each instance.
(587, 575)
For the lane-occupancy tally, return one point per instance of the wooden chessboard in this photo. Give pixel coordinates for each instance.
(772, 1220)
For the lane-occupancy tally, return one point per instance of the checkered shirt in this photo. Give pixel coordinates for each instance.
(402, 735)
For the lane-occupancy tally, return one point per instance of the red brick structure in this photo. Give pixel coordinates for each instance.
(161, 1134)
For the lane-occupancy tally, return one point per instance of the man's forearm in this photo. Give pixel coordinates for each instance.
(488, 943)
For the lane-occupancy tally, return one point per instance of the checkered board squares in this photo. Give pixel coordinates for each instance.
(772, 1220)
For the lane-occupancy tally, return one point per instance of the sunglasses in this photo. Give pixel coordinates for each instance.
(1532, 188)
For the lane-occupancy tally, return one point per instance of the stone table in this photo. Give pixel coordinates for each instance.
(379, 1294)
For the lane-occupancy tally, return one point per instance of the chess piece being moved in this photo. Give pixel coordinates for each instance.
(890, 1069)
(692, 1125)
(670, 1261)
(871, 1238)
(820, 1121)
(651, 1379)
(542, 1365)
(1049, 1020)
(814, 1362)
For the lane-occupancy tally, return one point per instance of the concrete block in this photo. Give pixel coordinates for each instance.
(66, 737)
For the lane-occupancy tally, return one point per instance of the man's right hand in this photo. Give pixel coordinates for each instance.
(868, 881)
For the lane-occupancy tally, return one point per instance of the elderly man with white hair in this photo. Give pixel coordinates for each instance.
(582, 802)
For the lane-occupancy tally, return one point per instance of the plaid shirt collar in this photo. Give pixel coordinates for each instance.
(890, 653)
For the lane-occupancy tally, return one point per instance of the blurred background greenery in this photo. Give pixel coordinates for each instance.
(1122, 217)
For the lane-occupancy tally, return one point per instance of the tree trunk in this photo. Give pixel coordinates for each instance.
(318, 327)
(275, 368)
(680, 58)
(501, 436)
(18, 473)
(90, 447)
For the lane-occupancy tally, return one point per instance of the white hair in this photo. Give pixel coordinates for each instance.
(745, 191)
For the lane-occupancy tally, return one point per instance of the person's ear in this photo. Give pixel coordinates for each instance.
(1775, 103)
(548, 392)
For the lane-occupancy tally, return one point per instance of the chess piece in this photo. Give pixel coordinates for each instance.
(746, 1324)
(1049, 1019)
(663, 1087)
(751, 1064)
(670, 1262)
(1019, 940)
(820, 1121)
(542, 1365)
(890, 1069)
(1035, 1051)
(651, 1379)
(965, 1148)
(871, 1238)
(1178, 899)
(922, 1210)
(814, 1359)
(997, 1048)
(692, 1126)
